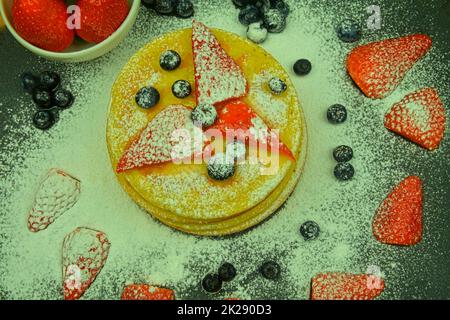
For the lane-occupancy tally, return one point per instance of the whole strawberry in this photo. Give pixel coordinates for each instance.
(100, 18)
(43, 23)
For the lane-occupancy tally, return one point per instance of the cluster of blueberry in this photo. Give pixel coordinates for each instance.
(213, 282)
(262, 17)
(48, 97)
(343, 171)
(180, 8)
(149, 96)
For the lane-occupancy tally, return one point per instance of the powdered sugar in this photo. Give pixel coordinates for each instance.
(144, 251)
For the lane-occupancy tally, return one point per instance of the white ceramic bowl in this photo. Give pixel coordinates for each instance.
(79, 50)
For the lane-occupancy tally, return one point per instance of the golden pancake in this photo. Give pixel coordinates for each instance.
(182, 195)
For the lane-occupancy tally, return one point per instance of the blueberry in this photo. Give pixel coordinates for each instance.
(309, 230)
(165, 6)
(277, 85)
(49, 80)
(256, 32)
(169, 60)
(147, 97)
(343, 154)
(337, 113)
(349, 31)
(240, 3)
(270, 270)
(181, 89)
(62, 98)
(243, 3)
(29, 82)
(149, 3)
(204, 115)
(184, 9)
(220, 167)
(248, 15)
(227, 272)
(44, 119)
(282, 6)
(302, 67)
(212, 283)
(42, 98)
(344, 171)
(274, 20)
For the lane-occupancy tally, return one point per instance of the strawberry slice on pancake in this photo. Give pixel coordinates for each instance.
(239, 120)
(159, 141)
(217, 76)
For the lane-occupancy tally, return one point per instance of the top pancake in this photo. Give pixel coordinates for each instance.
(185, 192)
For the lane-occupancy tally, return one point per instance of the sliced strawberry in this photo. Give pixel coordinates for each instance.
(217, 76)
(84, 253)
(346, 286)
(100, 18)
(56, 194)
(43, 23)
(419, 117)
(146, 292)
(241, 121)
(157, 143)
(377, 68)
(398, 220)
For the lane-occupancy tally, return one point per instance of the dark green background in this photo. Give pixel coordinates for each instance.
(429, 275)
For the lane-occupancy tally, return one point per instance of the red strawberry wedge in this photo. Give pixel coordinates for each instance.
(378, 68)
(419, 117)
(398, 220)
(84, 253)
(158, 144)
(56, 194)
(217, 76)
(100, 18)
(239, 119)
(346, 286)
(43, 23)
(146, 292)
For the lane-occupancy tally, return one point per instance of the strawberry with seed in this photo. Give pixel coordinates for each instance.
(146, 292)
(158, 144)
(249, 127)
(378, 68)
(419, 117)
(84, 254)
(57, 193)
(398, 220)
(346, 286)
(217, 76)
(101, 18)
(43, 23)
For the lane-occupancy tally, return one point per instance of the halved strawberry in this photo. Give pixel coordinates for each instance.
(238, 119)
(419, 117)
(56, 194)
(377, 68)
(398, 220)
(146, 292)
(101, 18)
(217, 76)
(84, 253)
(158, 143)
(43, 23)
(346, 286)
